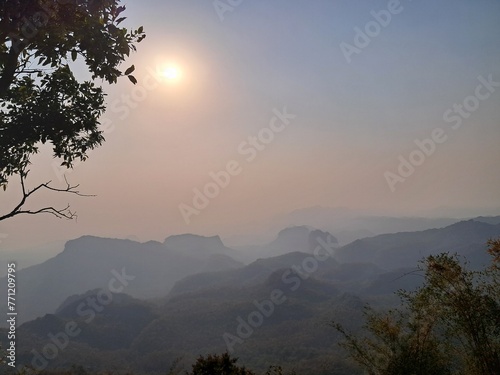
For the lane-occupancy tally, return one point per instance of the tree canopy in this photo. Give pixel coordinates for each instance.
(41, 101)
(218, 365)
(450, 325)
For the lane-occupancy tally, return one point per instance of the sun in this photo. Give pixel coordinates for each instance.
(171, 73)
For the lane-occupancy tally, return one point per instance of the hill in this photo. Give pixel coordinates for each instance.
(91, 262)
(406, 249)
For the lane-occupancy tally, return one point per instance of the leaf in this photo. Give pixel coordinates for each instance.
(132, 79)
(129, 70)
(140, 30)
(120, 20)
(112, 28)
(74, 54)
(119, 10)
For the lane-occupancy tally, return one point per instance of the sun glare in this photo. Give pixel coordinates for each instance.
(172, 73)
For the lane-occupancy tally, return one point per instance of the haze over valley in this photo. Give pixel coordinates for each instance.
(249, 187)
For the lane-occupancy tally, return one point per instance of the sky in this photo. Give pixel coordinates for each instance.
(247, 110)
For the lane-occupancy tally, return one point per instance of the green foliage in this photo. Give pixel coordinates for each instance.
(395, 346)
(277, 370)
(40, 99)
(450, 325)
(218, 365)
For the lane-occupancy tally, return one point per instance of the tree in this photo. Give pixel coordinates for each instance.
(41, 101)
(278, 370)
(218, 365)
(450, 325)
(395, 345)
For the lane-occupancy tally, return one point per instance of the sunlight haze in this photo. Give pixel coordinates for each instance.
(207, 86)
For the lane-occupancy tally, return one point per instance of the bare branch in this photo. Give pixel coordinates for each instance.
(64, 213)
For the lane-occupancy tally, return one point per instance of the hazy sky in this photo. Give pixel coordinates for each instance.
(360, 89)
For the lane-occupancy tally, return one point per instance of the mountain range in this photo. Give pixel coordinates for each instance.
(139, 306)
(90, 262)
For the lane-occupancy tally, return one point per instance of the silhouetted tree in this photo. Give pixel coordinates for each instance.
(40, 99)
(218, 365)
(450, 325)
(278, 370)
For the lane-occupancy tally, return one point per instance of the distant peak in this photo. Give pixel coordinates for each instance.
(469, 224)
(304, 232)
(88, 241)
(299, 229)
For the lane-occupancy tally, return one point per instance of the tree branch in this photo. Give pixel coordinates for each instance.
(64, 213)
(9, 69)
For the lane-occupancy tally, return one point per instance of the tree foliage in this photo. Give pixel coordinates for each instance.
(450, 325)
(218, 365)
(40, 99)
